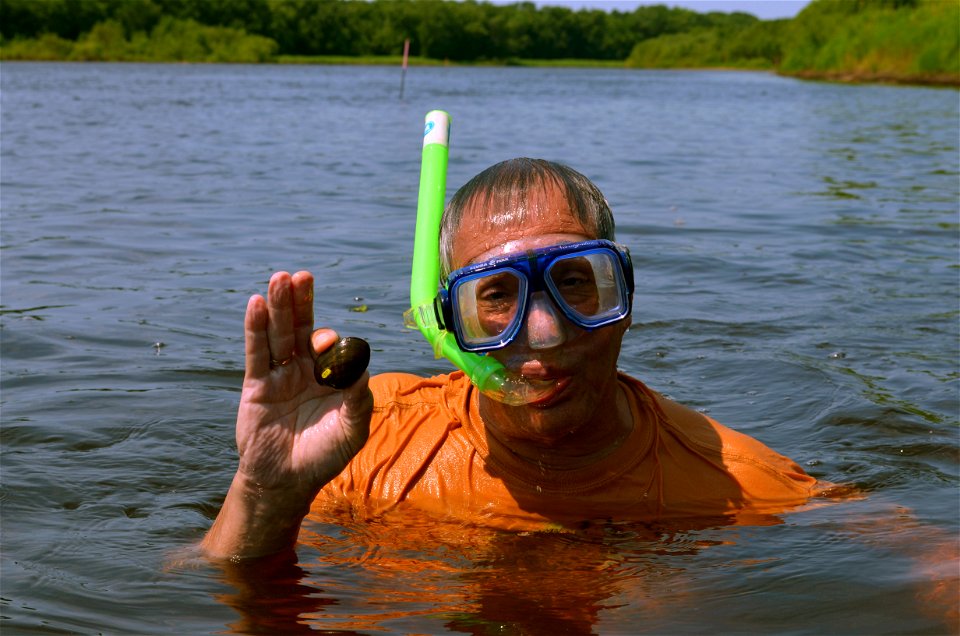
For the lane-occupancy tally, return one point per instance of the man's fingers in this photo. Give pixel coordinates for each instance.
(256, 343)
(357, 409)
(302, 311)
(280, 330)
(321, 340)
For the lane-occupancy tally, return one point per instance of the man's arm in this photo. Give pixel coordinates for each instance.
(293, 435)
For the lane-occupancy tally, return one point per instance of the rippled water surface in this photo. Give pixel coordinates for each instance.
(796, 253)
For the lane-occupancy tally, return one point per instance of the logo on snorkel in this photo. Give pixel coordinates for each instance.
(436, 130)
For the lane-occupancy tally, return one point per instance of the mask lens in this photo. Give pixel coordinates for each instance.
(487, 306)
(487, 302)
(589, 286)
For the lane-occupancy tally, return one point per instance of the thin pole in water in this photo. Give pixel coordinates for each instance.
(403, 73)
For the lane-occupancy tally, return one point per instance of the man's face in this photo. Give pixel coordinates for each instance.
(581, 364)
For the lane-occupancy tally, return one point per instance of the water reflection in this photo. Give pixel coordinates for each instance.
(273, 597)
(398, 571)
(404, 573)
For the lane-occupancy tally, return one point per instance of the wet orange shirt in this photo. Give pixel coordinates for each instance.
(427, 449)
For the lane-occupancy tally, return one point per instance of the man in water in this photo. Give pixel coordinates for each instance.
(535, 281)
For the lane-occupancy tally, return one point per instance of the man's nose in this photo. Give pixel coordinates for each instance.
(544, 326)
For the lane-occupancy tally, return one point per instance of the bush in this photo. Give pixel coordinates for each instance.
(47, 48)
(105, 42)
(171, 40)
(188, 41)
(755, 46)
(893, 38)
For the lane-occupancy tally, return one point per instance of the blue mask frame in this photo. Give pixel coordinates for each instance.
(532, 266)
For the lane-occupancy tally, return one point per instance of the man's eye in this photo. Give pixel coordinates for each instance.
(493, 295)
(572, 281)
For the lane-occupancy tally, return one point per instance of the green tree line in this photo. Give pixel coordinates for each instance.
(467, 31)
(900, 40)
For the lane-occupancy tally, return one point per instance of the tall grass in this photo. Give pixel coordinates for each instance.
(881, 40)
(896, 40)
(757, 46)
(172, 40)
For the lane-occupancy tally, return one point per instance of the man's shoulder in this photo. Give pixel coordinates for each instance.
(704, 431)
(684, 419)
(762, 473)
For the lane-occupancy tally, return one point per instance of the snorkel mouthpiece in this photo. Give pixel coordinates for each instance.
(491, 377)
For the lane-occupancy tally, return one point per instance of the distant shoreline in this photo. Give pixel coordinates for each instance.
(937, 80)
(907, 42)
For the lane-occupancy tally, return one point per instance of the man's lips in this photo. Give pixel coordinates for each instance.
(547, 381)
(551, 390)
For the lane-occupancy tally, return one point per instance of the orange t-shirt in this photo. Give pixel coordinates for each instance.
(428, 449)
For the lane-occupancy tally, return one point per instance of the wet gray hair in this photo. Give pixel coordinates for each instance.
(507, 185)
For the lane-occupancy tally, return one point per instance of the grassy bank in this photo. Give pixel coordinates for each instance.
(894, 41)
(880, 77)
(397, 60)
(902, 41)
(355, 60)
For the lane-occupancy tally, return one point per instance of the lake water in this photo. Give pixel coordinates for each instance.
(796, 253)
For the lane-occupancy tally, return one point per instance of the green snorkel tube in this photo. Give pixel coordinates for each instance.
(491, 377)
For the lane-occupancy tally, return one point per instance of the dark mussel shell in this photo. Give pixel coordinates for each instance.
(342, 364)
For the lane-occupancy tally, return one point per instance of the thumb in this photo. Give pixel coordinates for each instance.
(356, 411)
(358, 399)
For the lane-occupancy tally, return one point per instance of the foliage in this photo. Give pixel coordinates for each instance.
(171, 40)
(463, 31)
(46, 48)
(186, 40)
(896, 40)
(756, 46)
(870, 39)
(880, 38)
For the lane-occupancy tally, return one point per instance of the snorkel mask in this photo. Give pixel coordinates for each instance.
(486, 304)
(459, 321)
